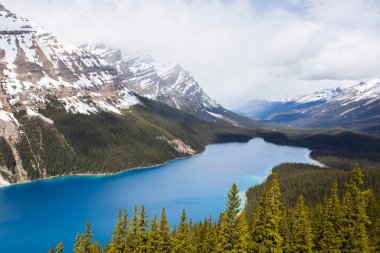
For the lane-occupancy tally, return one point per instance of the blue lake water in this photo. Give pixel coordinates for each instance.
(36, 216)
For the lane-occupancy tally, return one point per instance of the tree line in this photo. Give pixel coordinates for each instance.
(311, 181)
(347, 222)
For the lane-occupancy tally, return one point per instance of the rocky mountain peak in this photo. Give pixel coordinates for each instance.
(2, 8)
(36, 65)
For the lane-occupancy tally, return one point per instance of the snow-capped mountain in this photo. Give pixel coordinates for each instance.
(68, 110)
(356, 107)
(36, 68)
(167, 83)
(35, 64)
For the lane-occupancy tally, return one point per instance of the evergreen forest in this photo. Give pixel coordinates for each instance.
(347, 219)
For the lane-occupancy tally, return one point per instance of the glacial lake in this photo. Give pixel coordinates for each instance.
(36, 216)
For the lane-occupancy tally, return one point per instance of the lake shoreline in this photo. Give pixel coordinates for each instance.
(199, 185)
(103, 174)
(153, 166)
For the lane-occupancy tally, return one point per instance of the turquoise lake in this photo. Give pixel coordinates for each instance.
(36, 216)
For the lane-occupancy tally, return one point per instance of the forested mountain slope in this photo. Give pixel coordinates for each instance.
(66, 110)
(146, 134)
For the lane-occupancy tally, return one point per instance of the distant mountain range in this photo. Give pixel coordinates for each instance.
(89, 109)
(356, 107)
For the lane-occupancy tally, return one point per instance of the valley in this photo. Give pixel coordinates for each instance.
(88, 132)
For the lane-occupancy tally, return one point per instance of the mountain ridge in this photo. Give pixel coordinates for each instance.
(356, 107)
(66, 110)
(168, 83)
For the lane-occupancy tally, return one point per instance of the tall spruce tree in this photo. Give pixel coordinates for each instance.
(355, 219)
(78, 246)
(118, 243)
(165, 240)
(331, 234)
(211, 239)
(228, 234)
(266, 235)
(286, 229)
(302, 239)
(59, 247)
(142, 232)
(131, 241)
(182, 242)
(153, 236)
(242, 244)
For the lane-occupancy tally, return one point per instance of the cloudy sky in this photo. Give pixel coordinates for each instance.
(237, 50)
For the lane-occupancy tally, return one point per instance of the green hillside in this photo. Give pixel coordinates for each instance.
(108, 142)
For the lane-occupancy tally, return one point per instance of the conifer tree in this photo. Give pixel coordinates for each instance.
(355, 219)
(242, 243)
(142, 232)
(182, 243)
(331, 234)
(164, 243)
(78, 246)
(285, 230)
(228, 234)
(317, 217)
(87, 238)
(266, 235)
(376, 236)
(131, 242)
(118, 242)
(373, 212)
(302, 239)
(153, 236)
(84, 242)
(211, 236)
(59, 247)
(223, 244)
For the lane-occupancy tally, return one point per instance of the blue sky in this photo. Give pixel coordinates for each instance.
(237, 50)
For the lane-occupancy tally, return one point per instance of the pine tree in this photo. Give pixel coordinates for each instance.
(223, 230)
(153, 236)
(59, 247)
(242, 243)
(78, 246)
(142, 232)
(228, 233)
(118, 242)
(331, 234)
(355, 219)
(87, 238)
(285, 230)
(164, 243)
(376, 236)
(211, 236)
(302, 239)
(182, 243)
(131, 242)
(373, 212)
(266, 235)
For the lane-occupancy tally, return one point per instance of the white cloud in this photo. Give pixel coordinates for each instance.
(238, 50)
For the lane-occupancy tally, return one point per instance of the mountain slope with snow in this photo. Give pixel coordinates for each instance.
(167, 83)
(67, 110)
(356, 107)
